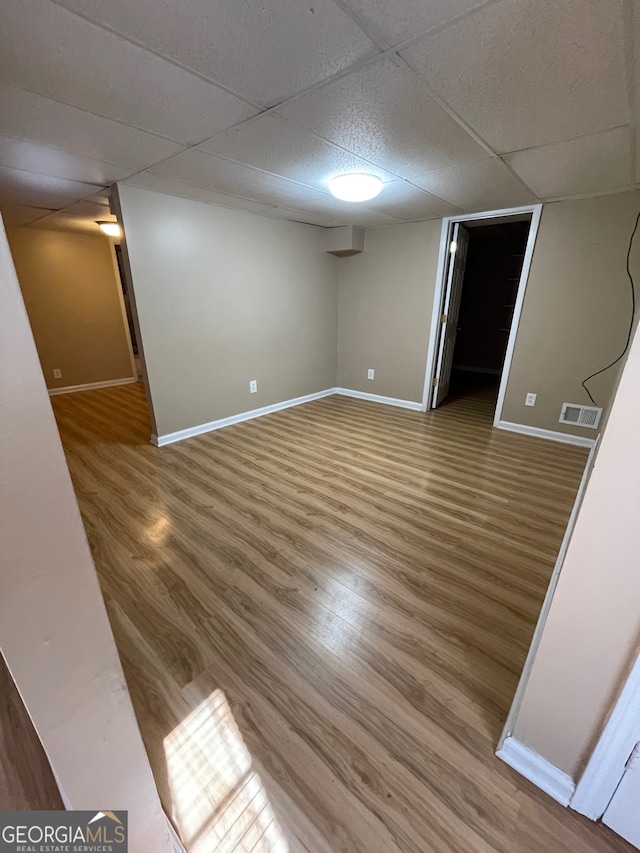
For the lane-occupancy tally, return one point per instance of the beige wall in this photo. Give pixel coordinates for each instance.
(593, 628)
(386, 299)
(576, 311)
(71, 292)
(224, 297)
(54, 631)
(574, 320)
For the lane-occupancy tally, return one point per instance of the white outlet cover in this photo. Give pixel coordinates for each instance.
(57, 373)
(530, 399)
(253, 386)
(370, 373)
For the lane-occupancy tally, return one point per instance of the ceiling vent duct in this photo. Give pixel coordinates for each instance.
(344, 241)
(584, 416)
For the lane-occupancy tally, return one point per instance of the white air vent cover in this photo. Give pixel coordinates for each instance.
(585, 416)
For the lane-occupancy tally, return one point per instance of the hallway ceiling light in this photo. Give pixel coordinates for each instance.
(355, 187)
(110, 228)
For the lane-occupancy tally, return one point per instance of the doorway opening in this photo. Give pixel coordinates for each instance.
(490, 286)
(482, 272)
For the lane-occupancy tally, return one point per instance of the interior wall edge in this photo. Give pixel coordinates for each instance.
(578, 671)
(54, 630)
(523, 682)
(128, 274)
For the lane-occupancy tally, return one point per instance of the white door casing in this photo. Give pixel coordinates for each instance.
(623, 812)
(535, 211)
(606, 770)
(450, 312)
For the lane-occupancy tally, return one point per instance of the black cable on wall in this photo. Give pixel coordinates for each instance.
(633, 314)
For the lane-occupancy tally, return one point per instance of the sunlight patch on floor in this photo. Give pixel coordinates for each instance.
(219, 803)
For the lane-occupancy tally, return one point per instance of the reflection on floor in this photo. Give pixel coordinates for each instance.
(207, 762)
(322, 615)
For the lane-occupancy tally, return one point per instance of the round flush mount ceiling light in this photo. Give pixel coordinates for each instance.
(112, 229)
(355, 187)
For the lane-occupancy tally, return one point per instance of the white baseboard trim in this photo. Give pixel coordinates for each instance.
(171, 437)
(537, 770)
(551, 435)
(190, 432)
(376, 398)
(90, 386)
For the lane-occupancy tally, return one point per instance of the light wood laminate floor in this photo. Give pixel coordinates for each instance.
(26, 778)
(322, 615)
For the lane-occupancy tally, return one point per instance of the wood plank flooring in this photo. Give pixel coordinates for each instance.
(26, 778)
(322, 615)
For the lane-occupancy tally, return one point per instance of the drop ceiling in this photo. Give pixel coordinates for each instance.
(457, 105)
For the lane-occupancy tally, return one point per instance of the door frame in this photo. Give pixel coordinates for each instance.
(123, 309)
(458, 234)
(607, 764)
(445, 238)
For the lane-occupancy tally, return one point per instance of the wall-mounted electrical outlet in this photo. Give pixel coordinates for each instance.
(370, 373)
(530, 399)
(57, 373)
(253, 386)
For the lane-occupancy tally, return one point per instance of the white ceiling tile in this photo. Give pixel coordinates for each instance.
(40, 190)
(44, 160)
(486, 185)
(183, 190)
(347, 213)
(91, 210)
(101, 197)
(408, 202)
(524, 73)
(402, 19)
(383, 114)
(276, 146)
(39, 119)
(48, 50)
(67, 221)
(82, 107)
(589, 164)
(223, 176)
(81, 216)
(14, 215)
(265, 51)
(301, 216)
